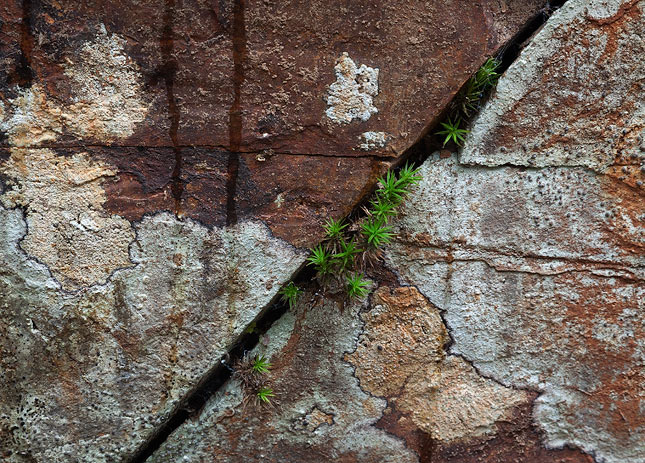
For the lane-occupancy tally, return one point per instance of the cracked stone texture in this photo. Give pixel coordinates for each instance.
(181, 85)
(68, 229)
(540, 272)
(581, 80)
(107, 324)
(346, 388)
(114, 306)
(540, 276)
(159, 160)
(87, 376)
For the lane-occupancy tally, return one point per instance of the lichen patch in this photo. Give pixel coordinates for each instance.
(30, 119)
(108, 98)
(351, 96)
(67, 227)
(401, 356)
(373, 140)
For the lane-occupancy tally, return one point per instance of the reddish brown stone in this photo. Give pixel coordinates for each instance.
(218, 75)
(517, 440)
(293, 195)
(203, 79)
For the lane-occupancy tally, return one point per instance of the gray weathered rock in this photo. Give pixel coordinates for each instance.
(322, 412)
(574, 97)
(541, 272)
(88, 375)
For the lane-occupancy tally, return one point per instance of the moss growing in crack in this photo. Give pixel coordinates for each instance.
(382, 209)
(260, 364)
(452, 132)
(290, 294)
(252, 373)
(334, 229)
(321, 259)
(348, 249)
(468, 101)
(377, 232)
(357, 286)
(346, 258)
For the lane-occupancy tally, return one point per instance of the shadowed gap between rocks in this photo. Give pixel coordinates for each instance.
(235, 112)
(192, 404)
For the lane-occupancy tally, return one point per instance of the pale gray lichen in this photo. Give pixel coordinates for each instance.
(107, 100)
(373, 140)
(351, 95)
(108, 97)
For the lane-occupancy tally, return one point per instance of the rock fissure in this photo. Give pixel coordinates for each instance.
(219, 376)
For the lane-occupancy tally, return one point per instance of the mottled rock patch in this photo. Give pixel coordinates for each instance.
(351, 96)
(113, 360)
(319, 404)
(401, 356)
(574, 95)
(68, 230)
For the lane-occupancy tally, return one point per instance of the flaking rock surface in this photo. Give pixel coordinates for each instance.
(161, 170)
(508, 323)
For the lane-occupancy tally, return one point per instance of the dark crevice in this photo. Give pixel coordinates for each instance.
(512, 49)
(192, 405)
(194, 401)
(23, 75)
(235, 112)
(168, 73)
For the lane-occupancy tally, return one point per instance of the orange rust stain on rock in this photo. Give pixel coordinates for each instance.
(606, 318)
(628, 13)
(404, 334)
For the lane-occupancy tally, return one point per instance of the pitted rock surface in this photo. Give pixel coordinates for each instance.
(163, 165)
(574, 97)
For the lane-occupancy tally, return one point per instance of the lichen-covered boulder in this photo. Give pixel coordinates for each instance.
(163, 165)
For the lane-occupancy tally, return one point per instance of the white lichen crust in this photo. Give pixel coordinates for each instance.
(373, 140)
(351, 96)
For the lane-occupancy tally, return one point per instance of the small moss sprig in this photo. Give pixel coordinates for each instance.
(357, 286)
(382, 209)
(321, 259)
(468, 101)
(252, 373)
(334, 229)
(452, 132)
(290, 294)
(264, 395)
(377, 233)
(260, 364)
(350, 247)
(346, 257)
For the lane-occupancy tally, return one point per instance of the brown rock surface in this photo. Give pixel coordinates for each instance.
(190, 83)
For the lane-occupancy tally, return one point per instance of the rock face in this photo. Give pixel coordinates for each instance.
(509, 322)
(163, 165)
(574, 97)
(198, 107)
(162, 172)
(116, 357)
